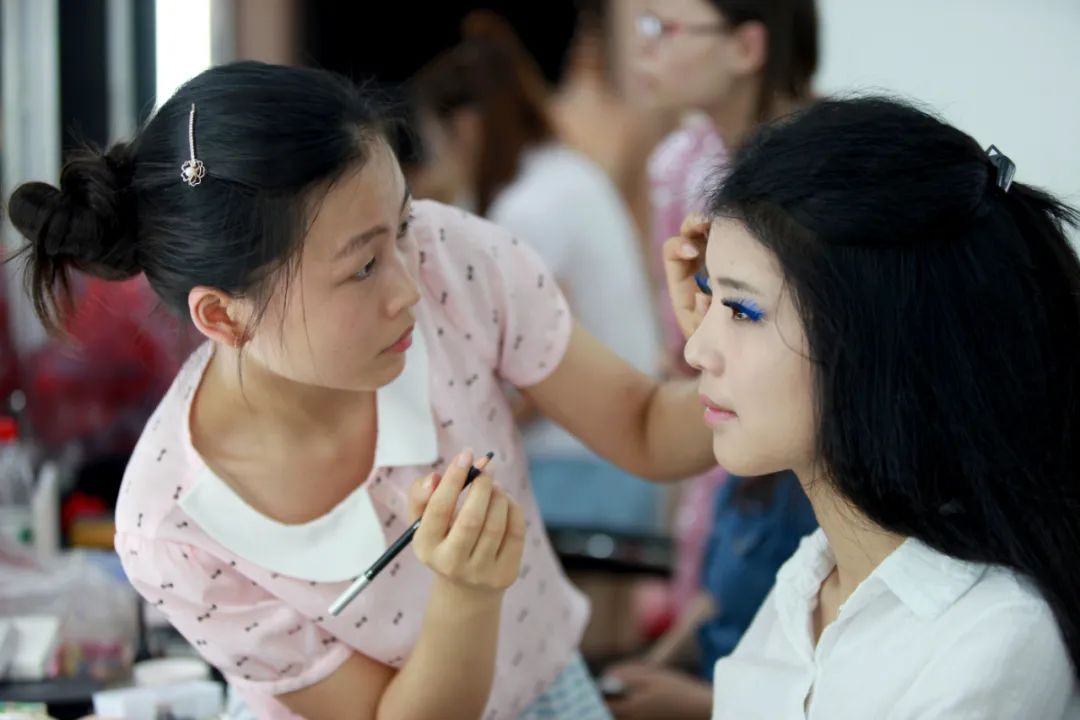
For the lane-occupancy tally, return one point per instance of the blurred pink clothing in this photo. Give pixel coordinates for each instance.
(680, 171)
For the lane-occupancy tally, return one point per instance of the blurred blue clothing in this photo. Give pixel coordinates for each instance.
(755, 530)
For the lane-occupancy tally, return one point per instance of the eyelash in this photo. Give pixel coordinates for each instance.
(403, 230)
(702, 281)
(741, 310)
(744, 310)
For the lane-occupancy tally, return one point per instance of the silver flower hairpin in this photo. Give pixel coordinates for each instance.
(192, 171)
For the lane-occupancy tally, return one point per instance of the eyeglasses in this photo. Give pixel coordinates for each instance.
(652, 27)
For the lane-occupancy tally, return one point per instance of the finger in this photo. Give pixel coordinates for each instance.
(695, 227)
(420, 494)
(466, 527)
(687, 250)
(478, 465)
(679, 249)
(679, 273)
(491, 535)
(440, 507)
(682, 288)
(513, 542)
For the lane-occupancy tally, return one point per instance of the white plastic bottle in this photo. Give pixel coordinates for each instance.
(16, 486)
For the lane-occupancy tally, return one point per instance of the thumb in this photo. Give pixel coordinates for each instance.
(420, 494)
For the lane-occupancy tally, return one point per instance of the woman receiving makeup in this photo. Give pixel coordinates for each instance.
(896, 319)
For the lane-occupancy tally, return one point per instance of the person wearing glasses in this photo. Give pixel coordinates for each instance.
(727, 66)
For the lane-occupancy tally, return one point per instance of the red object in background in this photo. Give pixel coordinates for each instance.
(78, 505)
(9, 431)
(99, 385)
(9, 361)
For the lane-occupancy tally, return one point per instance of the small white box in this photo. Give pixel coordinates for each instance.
(36, 640)
(129, 704)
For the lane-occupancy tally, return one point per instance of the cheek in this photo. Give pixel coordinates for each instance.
(770, 386)
(696, 73)
(325, 340)
(800, 427)
(347, 328)
(788, 409)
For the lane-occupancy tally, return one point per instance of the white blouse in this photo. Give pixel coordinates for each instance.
(924, 637)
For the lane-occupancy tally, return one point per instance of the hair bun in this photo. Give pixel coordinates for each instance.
(89, 222)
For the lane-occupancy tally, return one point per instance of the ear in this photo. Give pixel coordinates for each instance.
(219, 316)
(751, 47)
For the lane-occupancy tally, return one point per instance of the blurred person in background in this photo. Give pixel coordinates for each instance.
(726, 66)
(594, 112)
(491, 147)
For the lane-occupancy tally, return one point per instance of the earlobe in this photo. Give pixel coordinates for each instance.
(218, 316)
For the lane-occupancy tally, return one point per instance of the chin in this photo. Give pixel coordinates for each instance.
(738, 459)
(379, 373)
(389, 369)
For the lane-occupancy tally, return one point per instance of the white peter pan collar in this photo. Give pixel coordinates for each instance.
(343, 543)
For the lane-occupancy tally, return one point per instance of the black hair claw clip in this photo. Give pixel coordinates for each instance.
(1005, 167)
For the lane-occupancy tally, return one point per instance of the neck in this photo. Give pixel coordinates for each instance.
(270, 402)
(736, 116)
(858, 544)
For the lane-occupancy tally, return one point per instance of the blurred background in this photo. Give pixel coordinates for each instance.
(499, 108)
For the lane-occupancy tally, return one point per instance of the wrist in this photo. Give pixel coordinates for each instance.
(465, 599)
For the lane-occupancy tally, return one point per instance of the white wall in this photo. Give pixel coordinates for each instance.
(1005, 71)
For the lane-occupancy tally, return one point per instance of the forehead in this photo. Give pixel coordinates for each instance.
(684, 9)
(734, 252)
(363, 197)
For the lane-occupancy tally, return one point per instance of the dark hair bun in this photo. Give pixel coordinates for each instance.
(88, 223)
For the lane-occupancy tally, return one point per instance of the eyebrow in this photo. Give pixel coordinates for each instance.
(358, 241)
(734, 284)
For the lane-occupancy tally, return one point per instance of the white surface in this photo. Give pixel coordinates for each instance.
(168, 671)
(1006, 72)
(183, 41)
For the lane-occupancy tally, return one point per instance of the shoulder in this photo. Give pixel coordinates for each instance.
(163, 463)
(554, 177)
(684, 159)
(998, 646)
(490, 285)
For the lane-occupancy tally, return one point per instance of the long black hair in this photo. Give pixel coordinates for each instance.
(942, 313)
(266, 134)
